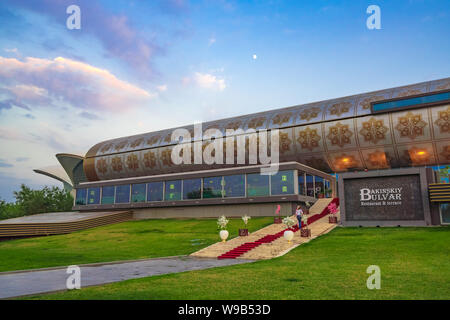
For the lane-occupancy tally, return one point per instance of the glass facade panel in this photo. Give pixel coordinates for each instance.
(257, 185)
(107, 195)
(192, 189)
(173, 190)
(138, 192)
(123, 194)
(301, 183)
(155, 191)
(282, 182)
(81, 196)
(234, 186)
(408, 102)
(327, 189)
(212, 187)
(309, 185)
(93, 196)
(445, 213)
(319, 187)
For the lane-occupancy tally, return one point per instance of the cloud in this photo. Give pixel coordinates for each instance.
(206, 80)
(29, 116)
(4, 164)
(45, 82)
(116, 33)
(22, 159)
(89, 116)
(162, 88)
(211, 41)
(9, 103)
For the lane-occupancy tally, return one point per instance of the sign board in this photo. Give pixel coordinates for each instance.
(386, 198)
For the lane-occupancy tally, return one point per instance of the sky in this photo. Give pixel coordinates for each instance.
(140, 66)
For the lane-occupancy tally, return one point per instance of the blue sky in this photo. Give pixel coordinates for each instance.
(138, 66)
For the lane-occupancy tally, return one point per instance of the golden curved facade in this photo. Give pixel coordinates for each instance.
(333, 136)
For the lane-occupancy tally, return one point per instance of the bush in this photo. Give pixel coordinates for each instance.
(30, 202)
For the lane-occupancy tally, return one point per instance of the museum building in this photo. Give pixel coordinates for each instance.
(380, 152)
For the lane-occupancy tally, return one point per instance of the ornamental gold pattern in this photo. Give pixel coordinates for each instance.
(308, 139)
(411, 125)
(373, 130)
(339, 134)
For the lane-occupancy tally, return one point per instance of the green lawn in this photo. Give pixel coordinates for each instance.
(414, 262)
(123, 241)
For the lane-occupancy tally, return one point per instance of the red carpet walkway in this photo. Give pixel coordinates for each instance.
(243, 248)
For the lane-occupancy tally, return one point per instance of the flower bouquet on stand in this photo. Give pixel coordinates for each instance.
(222, 224)
(289, 222)
(305, 232)
(332, 208)
(277, 218)
(308, 205)
(244, 232)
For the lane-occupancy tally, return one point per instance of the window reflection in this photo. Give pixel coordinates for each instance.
(310, 185)
(93, 196)
(257, 185)
(138, 192)
(192, 189)
(173, 190)
(212, 187)
(234, 186)
(107, 195)
(155, 191)
(282, 182)
(123, 194)
(81, 196)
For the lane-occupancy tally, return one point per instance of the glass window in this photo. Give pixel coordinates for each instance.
(93, 196)
(138, 192)
(123, 194)
(234, 186)
(282, 182)
(81, 196)
(445, 213)
(192, 189)
(327, 189)
(319, 187)
(309, 185)
(301, 183)
(257, 185)
(212, 187)
(155, 191)
(173, 190)
(107, 195)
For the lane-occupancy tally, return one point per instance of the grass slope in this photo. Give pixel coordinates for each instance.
(414, 264)
(123, 241)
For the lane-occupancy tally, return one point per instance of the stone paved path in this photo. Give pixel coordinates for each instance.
(29, 282)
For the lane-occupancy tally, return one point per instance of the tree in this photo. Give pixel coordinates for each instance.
(45, 200)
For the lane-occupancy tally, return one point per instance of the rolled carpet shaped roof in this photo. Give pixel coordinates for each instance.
(332, 135)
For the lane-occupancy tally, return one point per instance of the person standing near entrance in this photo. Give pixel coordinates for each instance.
(299, 213)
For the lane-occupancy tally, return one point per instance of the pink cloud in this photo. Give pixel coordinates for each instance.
(38, 82)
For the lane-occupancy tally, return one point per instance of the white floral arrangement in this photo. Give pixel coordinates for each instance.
(222, 222)
(308, 204)
(245, 219)
(289, 222)
(304, 220)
